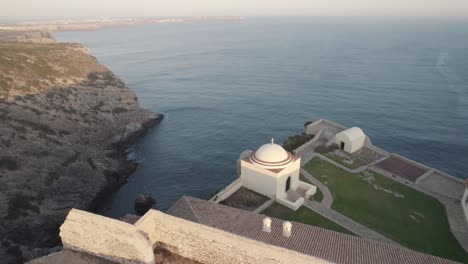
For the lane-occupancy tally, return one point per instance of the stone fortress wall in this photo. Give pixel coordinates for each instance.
(326, 131)
(465, 201)
(330, 128)
(113, 240)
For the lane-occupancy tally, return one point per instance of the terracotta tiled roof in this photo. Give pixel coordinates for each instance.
(325, 244)
(183, 209)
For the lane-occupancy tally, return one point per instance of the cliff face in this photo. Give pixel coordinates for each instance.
(65, 122)
(38, 36)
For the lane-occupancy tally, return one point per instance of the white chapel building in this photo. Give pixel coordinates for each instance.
(272, 171)
(351, 139)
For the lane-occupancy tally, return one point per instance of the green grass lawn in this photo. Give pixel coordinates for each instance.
(401, 213)
(318, 196)
(304, 215)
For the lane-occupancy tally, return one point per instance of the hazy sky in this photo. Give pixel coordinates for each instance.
(32, 9)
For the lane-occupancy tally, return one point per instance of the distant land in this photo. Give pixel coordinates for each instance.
(95, 24)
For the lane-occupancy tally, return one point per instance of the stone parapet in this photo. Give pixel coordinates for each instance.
(94, 238)
(212, 246)
(105, 238)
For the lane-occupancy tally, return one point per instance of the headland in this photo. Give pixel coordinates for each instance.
(66, 123)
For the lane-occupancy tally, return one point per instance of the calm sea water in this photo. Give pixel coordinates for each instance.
(229, 86)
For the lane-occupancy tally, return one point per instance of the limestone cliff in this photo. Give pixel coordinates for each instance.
(38, 35)
(65, 123)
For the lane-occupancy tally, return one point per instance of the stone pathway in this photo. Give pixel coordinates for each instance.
(346, 222)
(437, 182)
(306, 157)
(327, 196)
(457, 221)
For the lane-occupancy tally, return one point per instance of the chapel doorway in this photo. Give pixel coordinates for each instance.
(342, 145)
(288, 184)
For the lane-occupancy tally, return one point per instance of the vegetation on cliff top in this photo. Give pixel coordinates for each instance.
(31, 67)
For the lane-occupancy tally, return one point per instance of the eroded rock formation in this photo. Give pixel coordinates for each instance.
(65, 123)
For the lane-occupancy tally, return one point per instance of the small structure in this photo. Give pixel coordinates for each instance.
(266, 225)
(274, 172)
(351, 139)
(287, 226)
(465, 201)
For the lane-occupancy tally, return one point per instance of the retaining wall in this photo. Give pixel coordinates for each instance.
(294, 206)
(228, 191)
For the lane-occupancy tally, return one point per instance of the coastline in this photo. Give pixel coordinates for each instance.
(64, 136)
(129, 165)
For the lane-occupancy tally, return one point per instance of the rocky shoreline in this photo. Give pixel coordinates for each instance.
(65, 124)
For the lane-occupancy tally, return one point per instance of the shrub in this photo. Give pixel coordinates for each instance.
(51, 178)
(40, 127)
(9, 163)
(6, 143)
(64, 133)
(296, 141)
(98, 106)
(71, 159)
(326, 149)
(333, 147)
(18, 204)
(93, 76)
(119, 110)
(91, 163)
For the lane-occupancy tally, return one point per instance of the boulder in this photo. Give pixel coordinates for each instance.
(143, 203)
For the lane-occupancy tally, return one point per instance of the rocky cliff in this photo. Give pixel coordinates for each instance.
(39, 36)
(65, 123)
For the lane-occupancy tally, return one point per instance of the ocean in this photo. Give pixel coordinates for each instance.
(225, 87)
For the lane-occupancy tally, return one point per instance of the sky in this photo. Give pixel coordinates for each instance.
(57, 9)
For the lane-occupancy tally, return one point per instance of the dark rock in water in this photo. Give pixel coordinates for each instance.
(143, 203)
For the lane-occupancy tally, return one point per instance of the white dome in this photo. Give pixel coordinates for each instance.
(271, 153)
(271, 156)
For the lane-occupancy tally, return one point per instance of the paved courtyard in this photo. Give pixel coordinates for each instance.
(401, 167)
(442, 185)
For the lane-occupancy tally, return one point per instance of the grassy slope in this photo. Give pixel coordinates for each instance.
(417, 220)
(304, 215)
